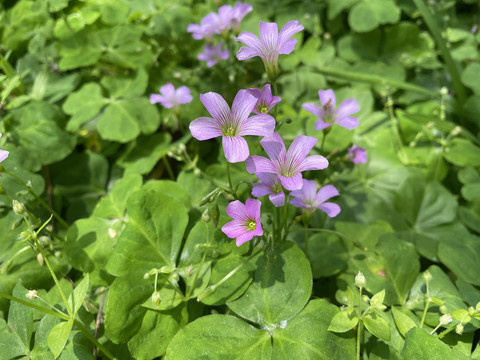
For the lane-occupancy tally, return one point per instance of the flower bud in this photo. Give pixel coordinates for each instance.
(443, 91)
(175, 276)
(112, 233)
(459, 329)
(365, 299)
(18, 207)
(207, 292)
(445, 319)
(443, 309)
(167, 269)
(427, 276)
(206, 216)
(189, 271)
(40, 259)
(156, 299)
(471, 311)
(477, 307)
(31, 294)
(360, 280)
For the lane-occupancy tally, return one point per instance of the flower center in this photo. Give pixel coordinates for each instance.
(263, 109)
(251, 225)
(229, 130)
(277, 188)
(289, 173)
(328, 112)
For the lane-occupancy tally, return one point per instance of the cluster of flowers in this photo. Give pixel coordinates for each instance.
(228, 18)
(281, 174)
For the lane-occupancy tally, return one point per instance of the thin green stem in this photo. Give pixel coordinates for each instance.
(168, 167)
(285, 215)
(427, 303)
(305, 227)
(442, 46)
(359, 327)
(39, 199)
(238, 267)
(442, 334)
(325, 133)
(90, 337)
(190, 291)
(230, 184)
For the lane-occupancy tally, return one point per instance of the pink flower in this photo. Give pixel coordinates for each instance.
(3, 153)
(270, 44)
(169, 97)
(212, 54)
(246, 221)
(328, 115)
(231, 125)
(308, 198)
(265, 100)
(357, 154)
(287, 165)
(209, 25)
(270, 185)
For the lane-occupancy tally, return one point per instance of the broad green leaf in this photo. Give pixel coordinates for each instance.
(343, 321)
(58, 337)
(306, 336)
(157, 330)
(153, 235)
(121, 86)
(11, 346)
(83, 105)
(369, 14)
(376, 325)
(403, 320)
(144, 153)
(81, 49)
(335, 7)
(79, 294)
(197, 186)
(401, 266)
(113, 11)
(37, 128)
(421, 346)
(220, 337)
(462, 256)
(20, 317)
(327, 254)
(281, 287)
(471, 78)
(115, 203)
(462, 152)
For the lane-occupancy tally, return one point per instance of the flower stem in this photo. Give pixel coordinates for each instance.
(285, 215)
(359, 327)
(168, 167)
(190, 291)
(230, 185)
(40, 200)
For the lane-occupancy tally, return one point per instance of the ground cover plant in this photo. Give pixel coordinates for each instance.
(229, 180)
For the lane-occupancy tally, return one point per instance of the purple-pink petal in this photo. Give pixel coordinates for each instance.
(349, 123)
(260, 189)
(235, 148)
(314, 162)
(167, 90)
(247, 53)
(325, 193)
(260, 125)
(327, 97)
(157, 98)
(357, 154)
(205, 128)
(256, 164)
(3, 155)
(289, 29)
(274, 147)
(237, 210)
(234, 228)
(300, 148)
(268, 36)
(242, 106)
(330, 209)
(251, 40)
(320, 124)
(313, 108)
(216, 106)
(252, 207)
(183, 95)
(247, 236)
(287, 47)
(292, 182)
(347, 108)
(277, 199)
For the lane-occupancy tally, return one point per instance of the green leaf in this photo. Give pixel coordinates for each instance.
(20, 317)
(143, 154)
(462, 258)
(327, 254)
(36, 128)
(156, 332)
(377, 326)
(58, 337)
(79, 50)
(281, 287)
(83, 105)
(421, 346)
(153, 235)
(470, 77)
(403, 320)
(11, 346)
(462, 152)
(79, 294)
(369, 14)
(401, 267)
(220, 337)
(343, 321)
(306, 336)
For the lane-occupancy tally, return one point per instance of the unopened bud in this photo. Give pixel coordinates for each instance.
(459, 329)
(112, 233)
(197, 172)
(40, 259)
(31, 294)
(207, 292)
(443, 91)
(189, 271)
(18, 207)
(445, 319)
(146, 276)
(360, 280)
(206, 216)
(175, 276)
(443, 309)
(365, 299)
(456, 130)
(477, 307)
(427, 276)
(167, 269)
(471, 311)
(156, 299)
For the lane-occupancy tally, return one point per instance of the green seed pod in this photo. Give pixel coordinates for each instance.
(156, 299)
(18, 207)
